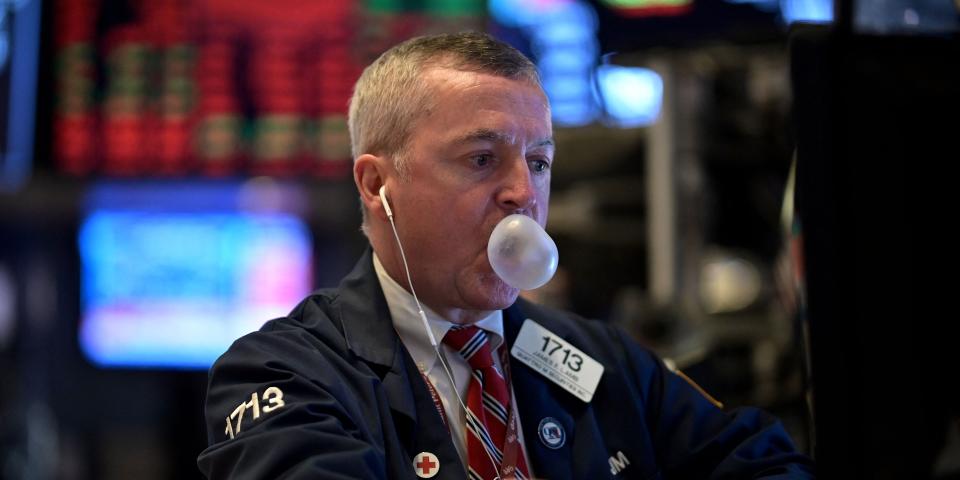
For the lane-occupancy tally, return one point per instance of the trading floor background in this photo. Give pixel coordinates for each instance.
(749, 187)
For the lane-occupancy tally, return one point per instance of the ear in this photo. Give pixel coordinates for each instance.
(369, 173)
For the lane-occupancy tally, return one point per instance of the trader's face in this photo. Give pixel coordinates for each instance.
(484, 151)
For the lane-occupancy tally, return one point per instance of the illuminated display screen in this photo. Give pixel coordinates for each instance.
(19, 49)
(174, 286)
(639, 8)
(221, 87)
(632, 96)
(564, 45)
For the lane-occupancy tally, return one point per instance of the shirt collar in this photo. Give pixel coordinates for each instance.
(406, 320)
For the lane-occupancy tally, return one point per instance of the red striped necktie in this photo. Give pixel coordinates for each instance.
(493, 448)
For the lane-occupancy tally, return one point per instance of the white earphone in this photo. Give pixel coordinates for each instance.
(383, 198)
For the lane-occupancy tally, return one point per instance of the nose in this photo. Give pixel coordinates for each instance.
(518, 192)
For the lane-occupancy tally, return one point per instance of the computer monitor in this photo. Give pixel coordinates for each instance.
(172, 274)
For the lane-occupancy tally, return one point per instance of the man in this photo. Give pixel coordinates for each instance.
(451, 134)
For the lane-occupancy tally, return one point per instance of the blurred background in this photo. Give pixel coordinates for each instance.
(746, 186)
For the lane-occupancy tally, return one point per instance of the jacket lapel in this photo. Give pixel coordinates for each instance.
(369, 333)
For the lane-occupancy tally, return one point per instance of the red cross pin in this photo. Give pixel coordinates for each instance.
(426, 465)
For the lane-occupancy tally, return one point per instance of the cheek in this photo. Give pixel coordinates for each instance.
(543, 204)
(472, 211)
(458, 231)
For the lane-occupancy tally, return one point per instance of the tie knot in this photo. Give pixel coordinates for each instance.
(472, 343)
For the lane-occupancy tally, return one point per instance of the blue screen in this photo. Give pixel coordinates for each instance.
(19, 56)
(170, 286)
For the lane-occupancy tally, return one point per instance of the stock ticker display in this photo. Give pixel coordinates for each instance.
(221, 87)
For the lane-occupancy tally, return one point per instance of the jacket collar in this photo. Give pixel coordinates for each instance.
(369, 334)
(365, 317)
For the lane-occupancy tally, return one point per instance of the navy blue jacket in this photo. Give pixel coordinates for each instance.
(330, 392)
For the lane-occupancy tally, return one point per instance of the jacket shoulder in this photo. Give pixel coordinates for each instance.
(313, 323)
(291, 385)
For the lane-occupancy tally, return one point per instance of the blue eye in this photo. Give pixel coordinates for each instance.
(539, 166)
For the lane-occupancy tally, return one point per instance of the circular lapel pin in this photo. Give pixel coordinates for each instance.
(551, 433)
(426, 465)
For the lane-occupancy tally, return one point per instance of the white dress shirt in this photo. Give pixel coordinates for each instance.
(407, 322)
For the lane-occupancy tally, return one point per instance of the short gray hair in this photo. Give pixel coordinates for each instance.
(391, 96)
